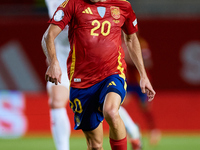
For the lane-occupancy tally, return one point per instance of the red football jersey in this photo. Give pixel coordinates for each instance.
(95, 38)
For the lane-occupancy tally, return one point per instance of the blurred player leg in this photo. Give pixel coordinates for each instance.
(60, 124)
(59, 96)
(155, 134)
(145, 106)
(132, 129)
(60, 128)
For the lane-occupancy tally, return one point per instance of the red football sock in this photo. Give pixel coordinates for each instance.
(118, 144)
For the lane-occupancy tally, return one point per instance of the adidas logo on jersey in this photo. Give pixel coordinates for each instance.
(87, 11)
(111, 83)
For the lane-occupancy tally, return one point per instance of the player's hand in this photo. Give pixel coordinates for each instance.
(147, 88)
(53, 73)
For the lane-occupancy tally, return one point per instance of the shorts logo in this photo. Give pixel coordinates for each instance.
(78, 122)
(115, 12)
(111, 83)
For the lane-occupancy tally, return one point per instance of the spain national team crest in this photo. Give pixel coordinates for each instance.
(115, 12)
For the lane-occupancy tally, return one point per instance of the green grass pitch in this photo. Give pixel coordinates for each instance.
(168, 142)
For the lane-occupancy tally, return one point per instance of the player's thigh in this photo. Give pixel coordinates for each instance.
(112, 102)
(95, 137)
(112, 95)
(59, 95)
(111, 107)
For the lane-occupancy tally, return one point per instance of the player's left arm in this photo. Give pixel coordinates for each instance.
(135, 53)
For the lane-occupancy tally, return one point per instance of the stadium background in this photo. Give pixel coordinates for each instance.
(172, 29)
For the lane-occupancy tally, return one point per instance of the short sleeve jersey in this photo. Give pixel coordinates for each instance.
(95, 38)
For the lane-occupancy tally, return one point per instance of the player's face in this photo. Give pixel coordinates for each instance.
(94, 1)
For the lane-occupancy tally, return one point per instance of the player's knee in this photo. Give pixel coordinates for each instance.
(57, 102)
(111, 115)
(95, 146)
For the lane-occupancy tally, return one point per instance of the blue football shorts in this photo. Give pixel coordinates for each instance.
(135, 89)
(87, 104)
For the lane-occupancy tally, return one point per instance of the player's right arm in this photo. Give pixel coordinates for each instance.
(53, 73)
(61, 18)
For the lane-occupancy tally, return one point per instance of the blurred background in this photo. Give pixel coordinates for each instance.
(172, 31)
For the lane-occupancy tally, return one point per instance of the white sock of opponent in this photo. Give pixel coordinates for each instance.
(131, 128)
(60, 127)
